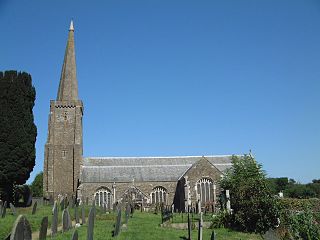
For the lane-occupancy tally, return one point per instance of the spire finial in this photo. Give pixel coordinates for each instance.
(71, 26)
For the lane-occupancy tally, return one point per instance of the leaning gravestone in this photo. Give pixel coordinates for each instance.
(118, 223)
(76, 214)
(54, 224)
(66, 220)
(90, 223)
(21, 229)
(13, 209)
(43, 229)
(83, 215)
(75, 235)
(34, 208)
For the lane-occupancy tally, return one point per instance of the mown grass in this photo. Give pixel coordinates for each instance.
(141, 226)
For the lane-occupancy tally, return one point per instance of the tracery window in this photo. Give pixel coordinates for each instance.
(205, 187)
(103, 196)
(158, 195)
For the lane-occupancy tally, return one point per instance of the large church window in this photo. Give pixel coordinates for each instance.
(103, 197)
(159, 195)
(205, 187)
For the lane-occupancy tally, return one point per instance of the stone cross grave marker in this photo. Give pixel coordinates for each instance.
(66, 220)
(75, 235)
(118, 223)
(76, 214)
(90, 223)
(54, 224)
(13, 209)
(34, 208)
(200, 227)
(83, 215)
(21, 229)
(43, 228)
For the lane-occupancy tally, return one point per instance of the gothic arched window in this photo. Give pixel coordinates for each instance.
(103, 196)
(206, 189)
(158, 195)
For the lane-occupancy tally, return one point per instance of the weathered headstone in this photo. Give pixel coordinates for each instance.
(21, 229)
(66, 220)
(34, 208)
(271, 235)
(200, 227)
(75, 235)
(118, 223)
(83, 215)
(43, 228)
(76, 214)
(54, 224)
(4, 209)
(91, 223)
(13, 209)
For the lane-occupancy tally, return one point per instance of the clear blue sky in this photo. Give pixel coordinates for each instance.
(161, 78)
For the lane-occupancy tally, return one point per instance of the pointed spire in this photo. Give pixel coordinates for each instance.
(68, 87)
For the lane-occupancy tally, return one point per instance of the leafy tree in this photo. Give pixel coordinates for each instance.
(255, 209)
(37, 185)
(299, 191)
(17, 130)
(277, 184)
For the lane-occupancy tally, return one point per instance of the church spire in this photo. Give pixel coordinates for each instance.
(68, 87)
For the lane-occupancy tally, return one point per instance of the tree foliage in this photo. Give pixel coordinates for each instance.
(37, 185)
(255, 209)
(17, 130)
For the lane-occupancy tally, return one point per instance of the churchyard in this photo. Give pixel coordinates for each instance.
(104, 225)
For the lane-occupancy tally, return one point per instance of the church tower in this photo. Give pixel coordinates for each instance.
(63, 149)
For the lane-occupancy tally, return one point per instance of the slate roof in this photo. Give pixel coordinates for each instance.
(125, 169)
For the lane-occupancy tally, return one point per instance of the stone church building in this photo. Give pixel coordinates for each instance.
(182, 180)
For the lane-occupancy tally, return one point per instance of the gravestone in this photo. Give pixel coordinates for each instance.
(34, 208)
(13, 209)
(200, 227)
(75, 235)
(54, 224)
(91, 223)
(66, 220)
(4, 209)
(43, 229)
(271, 235)
(21, 229)
(76, 214)
(118, 223)
(83, 215)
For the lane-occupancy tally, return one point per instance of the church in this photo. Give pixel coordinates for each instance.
(147, 181)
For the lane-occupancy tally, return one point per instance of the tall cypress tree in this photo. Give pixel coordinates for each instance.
(17, 130)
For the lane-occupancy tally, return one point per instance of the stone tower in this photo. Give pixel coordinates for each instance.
(63, 149)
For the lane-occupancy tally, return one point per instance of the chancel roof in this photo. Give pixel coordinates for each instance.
(128, 169)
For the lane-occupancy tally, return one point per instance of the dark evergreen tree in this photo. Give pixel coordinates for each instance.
(17, 130)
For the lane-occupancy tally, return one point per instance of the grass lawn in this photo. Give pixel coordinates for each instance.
(141, 226)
